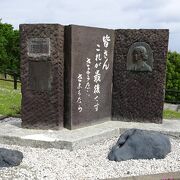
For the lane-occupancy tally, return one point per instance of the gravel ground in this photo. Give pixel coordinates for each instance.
(88, 163)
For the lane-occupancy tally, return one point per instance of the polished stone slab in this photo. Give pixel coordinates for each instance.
(88, 75)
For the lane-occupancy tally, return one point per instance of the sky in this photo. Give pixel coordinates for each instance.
(113, 14)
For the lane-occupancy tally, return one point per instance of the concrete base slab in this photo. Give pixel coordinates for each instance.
(12, 133)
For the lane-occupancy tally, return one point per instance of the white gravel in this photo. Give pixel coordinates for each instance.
(88, 163)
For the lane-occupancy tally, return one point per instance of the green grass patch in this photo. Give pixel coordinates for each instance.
(10, 99)
(169, 114)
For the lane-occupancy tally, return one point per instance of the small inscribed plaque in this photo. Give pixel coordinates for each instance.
(40, 76)
(38, 47)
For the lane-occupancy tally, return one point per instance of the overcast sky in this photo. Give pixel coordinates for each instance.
(100, 13)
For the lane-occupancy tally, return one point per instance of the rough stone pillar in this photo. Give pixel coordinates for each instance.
(139, 75)
(88, 75)
(42, 75)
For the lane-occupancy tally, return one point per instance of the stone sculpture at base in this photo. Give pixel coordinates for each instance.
(140, 144)
(9, 158)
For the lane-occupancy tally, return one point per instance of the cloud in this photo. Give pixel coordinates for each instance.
(99, 13)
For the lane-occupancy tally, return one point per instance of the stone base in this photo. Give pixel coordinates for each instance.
(12, 133)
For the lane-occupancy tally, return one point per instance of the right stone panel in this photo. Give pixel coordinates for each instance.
(139, 75)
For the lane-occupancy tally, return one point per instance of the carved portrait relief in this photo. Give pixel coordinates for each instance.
(140, 57)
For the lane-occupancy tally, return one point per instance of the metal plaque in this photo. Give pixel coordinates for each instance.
(39, 47)
(40, 75)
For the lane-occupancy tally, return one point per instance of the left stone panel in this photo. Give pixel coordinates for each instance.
(42, 75)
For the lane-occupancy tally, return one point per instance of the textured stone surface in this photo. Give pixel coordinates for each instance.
(140, 144)
(89, 56)
(139, 96)
(9, 158)
(42, 75)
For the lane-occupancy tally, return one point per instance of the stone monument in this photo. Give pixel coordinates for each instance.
(42, 75)
(88, 72)
(78, 60)
(139, 75)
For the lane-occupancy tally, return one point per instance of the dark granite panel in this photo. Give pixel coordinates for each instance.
(88, 72)
(139, 95)
(42, 75)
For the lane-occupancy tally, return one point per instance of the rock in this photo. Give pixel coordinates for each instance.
(140, 144)
(9, 158)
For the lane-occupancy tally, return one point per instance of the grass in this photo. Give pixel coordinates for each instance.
(10, 99)
(169, 114)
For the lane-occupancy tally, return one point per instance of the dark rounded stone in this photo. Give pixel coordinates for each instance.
(9, 158)
(140, 144)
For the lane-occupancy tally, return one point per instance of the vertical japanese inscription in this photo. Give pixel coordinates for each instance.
(97, 76)
(79, 87)
(88, 72)
(100, 64)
